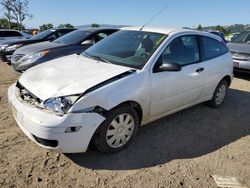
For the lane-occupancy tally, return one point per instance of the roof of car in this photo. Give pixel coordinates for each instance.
(162, 30)
(168, 30)
(56, 29)
(97, 29)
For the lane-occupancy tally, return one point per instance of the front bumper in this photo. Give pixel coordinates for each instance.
(6, 56)
(41, 126)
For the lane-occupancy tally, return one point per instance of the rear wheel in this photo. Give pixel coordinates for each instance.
(219, 94)
(117, 131)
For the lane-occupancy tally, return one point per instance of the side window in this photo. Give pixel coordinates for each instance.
(14, 34)
(62, 32)
(51, 36)
(247, 39)
(212, 48)
(99, 37)
(10, 34)
(183, 50)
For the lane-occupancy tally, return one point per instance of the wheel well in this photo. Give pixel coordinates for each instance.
(228, 79)
(136, 106)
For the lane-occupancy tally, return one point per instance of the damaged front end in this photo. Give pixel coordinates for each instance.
(63, 104)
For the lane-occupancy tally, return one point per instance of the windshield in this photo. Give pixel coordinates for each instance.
(73, 37)
(244, 37)
(42, 35)
(127, 48)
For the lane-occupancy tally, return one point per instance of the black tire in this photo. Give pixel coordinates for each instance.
(100, 137)
(214, 103)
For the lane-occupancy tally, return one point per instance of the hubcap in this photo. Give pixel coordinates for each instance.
(220, 95)
(120, 130)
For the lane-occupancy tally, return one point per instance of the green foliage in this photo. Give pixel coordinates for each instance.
(95, 25)
(222, 29)
(46, 26)
(15, 10)
(5, 24)
(199, 27)
(67, 25)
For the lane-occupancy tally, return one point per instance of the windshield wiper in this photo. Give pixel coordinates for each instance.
(98, 57)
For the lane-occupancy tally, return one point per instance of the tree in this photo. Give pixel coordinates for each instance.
(8, 11)
(199, 27)
(46, 26)
(20, 11)
(4, 23)
(16, 10)
(67, 25)
(95, 25)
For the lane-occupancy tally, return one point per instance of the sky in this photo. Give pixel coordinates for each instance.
(179, 13)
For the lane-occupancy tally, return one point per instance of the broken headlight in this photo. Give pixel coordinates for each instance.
(60, 105)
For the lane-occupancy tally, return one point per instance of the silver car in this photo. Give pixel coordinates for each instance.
(240, 49)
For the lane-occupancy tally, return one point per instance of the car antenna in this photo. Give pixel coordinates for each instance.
(153, 17)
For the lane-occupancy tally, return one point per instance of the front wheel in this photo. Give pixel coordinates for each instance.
(117, 131)
(219, 95)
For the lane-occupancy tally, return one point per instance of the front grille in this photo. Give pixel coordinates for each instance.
(16, 57)
(26, 96)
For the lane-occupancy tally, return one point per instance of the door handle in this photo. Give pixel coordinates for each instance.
(199, 69)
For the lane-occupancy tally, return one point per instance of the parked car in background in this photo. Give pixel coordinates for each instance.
(74, 42)
(6, 34)
(232, 36)
(128, 79)
(220, 34)
(240, 49)
(8, 47)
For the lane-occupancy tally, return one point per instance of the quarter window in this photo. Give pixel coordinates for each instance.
(183, 50)
(212, 48)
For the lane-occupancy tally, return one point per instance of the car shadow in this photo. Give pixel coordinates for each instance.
(191, 133)
(242, 75)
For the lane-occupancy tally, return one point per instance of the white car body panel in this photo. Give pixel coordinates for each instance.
(158, 94)
(170, 90)
(50, 83)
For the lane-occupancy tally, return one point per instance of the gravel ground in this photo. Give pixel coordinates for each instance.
(181, 150)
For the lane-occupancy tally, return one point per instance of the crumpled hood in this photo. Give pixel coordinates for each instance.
(67, 76)
(32, 48)
(239, 47)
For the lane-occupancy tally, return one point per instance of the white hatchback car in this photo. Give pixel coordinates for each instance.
(127, 80)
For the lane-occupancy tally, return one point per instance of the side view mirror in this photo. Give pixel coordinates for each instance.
(166, 65)
(87, 42)
(170, 66)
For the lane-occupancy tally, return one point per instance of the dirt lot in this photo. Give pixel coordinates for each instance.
(182, 150)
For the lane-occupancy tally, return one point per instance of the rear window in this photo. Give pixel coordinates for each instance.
(63, 32)
(72, 37)
(9, 34)
(42, 35)
(212, 48)
(244, 37)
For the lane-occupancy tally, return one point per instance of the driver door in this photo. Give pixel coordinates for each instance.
(171, 91)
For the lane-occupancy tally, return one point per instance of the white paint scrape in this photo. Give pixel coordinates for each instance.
(229, 182)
